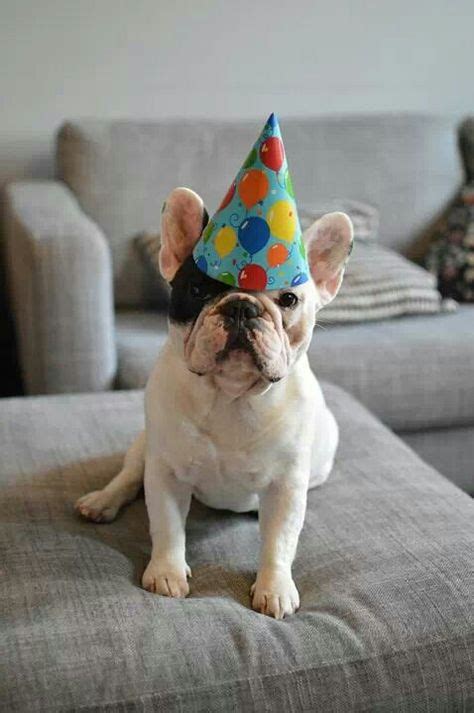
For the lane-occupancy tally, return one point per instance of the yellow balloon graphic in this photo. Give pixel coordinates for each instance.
(281, 218)
(225, 241)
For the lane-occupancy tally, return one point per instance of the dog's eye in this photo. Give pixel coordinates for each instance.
(287, 299)
(199, 292)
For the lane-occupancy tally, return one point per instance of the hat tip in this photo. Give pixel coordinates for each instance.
(272, 120)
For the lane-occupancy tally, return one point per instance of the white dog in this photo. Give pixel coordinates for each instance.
(234, 415)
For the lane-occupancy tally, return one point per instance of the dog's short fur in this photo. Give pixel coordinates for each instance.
(234, 415)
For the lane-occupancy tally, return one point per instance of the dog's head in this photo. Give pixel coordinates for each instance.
(245, 339)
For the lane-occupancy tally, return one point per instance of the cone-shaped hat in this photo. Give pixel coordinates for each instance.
(254, 240)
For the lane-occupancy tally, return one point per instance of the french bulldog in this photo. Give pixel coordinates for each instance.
(233, 413)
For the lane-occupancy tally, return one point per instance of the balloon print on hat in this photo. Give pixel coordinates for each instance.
(282, 220)
(253, 187)
(251, 158)
(208, 230)
(225, 241)
(252, 277)
(277, 255)
(254, 234)
(228, 197)
(289, 184)
(302, 249)
(227, 278)
(272, 153)
(299, 279)
(201, 262)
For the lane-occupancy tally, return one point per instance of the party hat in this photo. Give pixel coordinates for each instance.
(254, 240)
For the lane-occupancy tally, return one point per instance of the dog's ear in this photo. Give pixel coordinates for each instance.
(183, 218)
(328, 245)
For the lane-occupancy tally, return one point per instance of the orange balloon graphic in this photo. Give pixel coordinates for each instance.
(253, 187)
(277, 255)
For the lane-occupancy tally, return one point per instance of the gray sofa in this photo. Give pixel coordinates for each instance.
(82, 294)
(384, 568)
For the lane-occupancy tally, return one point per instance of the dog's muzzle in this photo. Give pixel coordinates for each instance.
(240, 312)
(241, 317)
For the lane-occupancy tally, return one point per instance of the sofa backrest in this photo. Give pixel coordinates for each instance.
(121, 171)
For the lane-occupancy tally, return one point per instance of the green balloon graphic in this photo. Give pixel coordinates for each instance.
(227, 277)
(302, 250)
(251, 158)
(289, 184)
(208, 230)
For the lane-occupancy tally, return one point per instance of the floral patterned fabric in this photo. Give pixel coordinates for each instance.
(451, 256)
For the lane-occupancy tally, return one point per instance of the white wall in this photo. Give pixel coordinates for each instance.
(146, 58)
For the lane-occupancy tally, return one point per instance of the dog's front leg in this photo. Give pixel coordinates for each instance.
(167, 501)
(281, 515)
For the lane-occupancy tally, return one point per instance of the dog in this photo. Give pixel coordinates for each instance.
(234, 415)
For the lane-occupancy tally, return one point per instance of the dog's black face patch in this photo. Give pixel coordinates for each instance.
(191, 289)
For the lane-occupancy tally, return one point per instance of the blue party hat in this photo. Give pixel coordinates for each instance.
(254, 240)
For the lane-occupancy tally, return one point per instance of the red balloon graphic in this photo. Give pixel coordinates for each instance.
(272, 153)
(277, 255)
(253, 187)
(252, 277)
(228, 197)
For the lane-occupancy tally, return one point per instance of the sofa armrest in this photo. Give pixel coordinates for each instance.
(60, 277)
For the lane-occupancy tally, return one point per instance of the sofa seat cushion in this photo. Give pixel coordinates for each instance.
(139, 337)
(449, 450)
(384, 568)
(412, 372)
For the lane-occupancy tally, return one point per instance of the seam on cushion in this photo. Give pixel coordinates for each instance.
(461, 426)
(180, 694)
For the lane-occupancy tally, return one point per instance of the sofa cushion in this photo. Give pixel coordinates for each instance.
(384, 568)
(449, 450)
(379, 283)
(121, 171)
(412, 372)
(139, 337)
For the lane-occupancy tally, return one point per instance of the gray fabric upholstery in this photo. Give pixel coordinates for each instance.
(61, 284)
(384, 568)
(139, 337)
(449, 450)
(412, 372)
(121, 171)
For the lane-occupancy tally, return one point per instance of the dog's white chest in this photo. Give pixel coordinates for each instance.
(224, 450)
(229, 449)
(222, 459)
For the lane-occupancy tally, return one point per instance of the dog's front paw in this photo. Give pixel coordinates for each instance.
(98, 506)
(168, 580)
(274, 593)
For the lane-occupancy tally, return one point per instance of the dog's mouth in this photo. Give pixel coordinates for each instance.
(239, 338)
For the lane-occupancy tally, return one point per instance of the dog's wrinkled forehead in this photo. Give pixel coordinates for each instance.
(191, 290)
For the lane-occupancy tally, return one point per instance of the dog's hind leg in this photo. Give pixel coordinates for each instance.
(103, 505)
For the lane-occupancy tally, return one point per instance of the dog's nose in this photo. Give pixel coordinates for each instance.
(240, 310)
